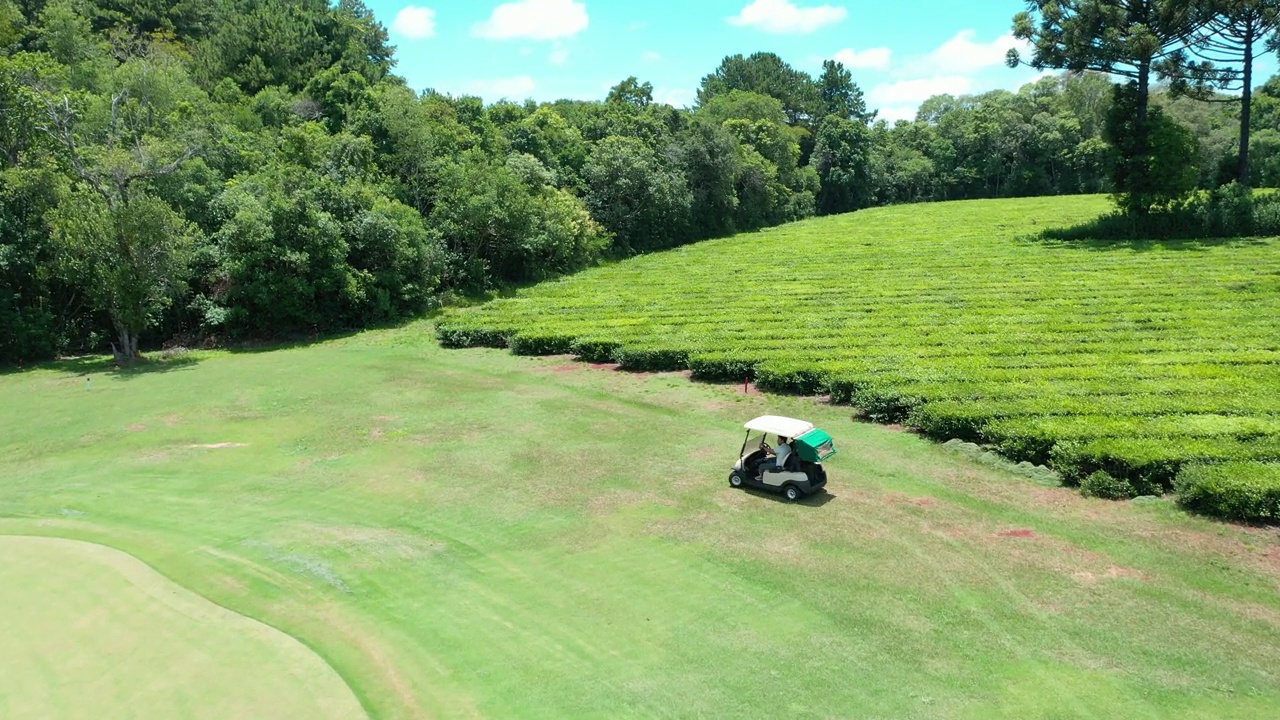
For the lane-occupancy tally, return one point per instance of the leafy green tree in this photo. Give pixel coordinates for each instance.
(305, 250)
(1163, 169)
(12, 26)
(742, 105)
(634, 195)
(1132, 39)
(504, 224)
(900, 172)
(131, 252)
(842, 159)
(147, 128)
(842, 97)
(766, 74)
(552, 140)
(632, 92)
(1236, 34)
(708, 157)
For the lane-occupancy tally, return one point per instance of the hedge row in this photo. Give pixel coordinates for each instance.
(1121, 366)
(1249, 492)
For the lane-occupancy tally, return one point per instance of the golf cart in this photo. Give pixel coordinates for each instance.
(801, 473)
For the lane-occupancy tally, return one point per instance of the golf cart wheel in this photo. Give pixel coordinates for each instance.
(792, 492)
(735, 480)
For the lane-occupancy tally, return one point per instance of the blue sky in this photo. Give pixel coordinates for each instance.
(899, 52)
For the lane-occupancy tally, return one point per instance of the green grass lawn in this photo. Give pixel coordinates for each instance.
(89, 632)
(475, 534)
(957, 318)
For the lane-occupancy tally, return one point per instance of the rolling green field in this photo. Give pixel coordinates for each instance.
(473, 534)
(89, 632)
(1132, 358)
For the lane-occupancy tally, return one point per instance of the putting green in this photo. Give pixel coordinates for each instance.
(90, 632)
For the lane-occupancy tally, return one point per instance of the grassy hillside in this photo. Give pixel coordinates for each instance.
(1133, 358)
(472, 534)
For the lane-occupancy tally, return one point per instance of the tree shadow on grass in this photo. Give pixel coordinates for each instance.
(160, 361)
(1116, 232)
(99, 365)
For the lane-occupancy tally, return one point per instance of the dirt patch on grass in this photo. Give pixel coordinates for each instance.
(1019, 533)
(1086, 577)
(137, 428)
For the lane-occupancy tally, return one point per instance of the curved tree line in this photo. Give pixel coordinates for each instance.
(221, 169)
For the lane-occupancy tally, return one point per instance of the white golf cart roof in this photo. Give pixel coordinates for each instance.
(784, 426)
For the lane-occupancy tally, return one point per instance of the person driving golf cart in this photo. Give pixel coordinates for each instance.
(794, 467)
(780, 454)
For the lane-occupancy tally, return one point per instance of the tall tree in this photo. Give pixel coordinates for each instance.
(766, 74)
(132, 246)
(632, 92)
(841, 96)
(1134, 39)
(1235, 34)
(842, 159)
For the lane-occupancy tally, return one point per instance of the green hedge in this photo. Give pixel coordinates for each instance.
(541, 344)
(469, 337)
(1235, 491)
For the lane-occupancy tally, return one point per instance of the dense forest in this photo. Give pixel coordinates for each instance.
(213, 170)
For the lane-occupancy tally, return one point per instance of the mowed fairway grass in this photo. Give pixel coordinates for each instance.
(89, 632)
(474, 534)
(959, 319)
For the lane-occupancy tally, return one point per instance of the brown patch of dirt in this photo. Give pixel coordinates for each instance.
(566, 368)
(137, 428)
(603, 366)
(172, 420)
(375, 433)
(1086, 577)
(384, 418)
(1020, 533)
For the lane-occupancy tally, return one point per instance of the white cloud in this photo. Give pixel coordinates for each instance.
(559, 56)
(914, 92)
(894, 113)
(651, 57)
(872, 59)
(961, 54)
(415, 23)
(535, 20)
(962, 65)
(675, 97)
(511, 88)
(785, 17)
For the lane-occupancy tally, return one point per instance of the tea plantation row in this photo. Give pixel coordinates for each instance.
(1140, 360)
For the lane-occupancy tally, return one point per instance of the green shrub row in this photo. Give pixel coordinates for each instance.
(1134, 362)
(1243, 491)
